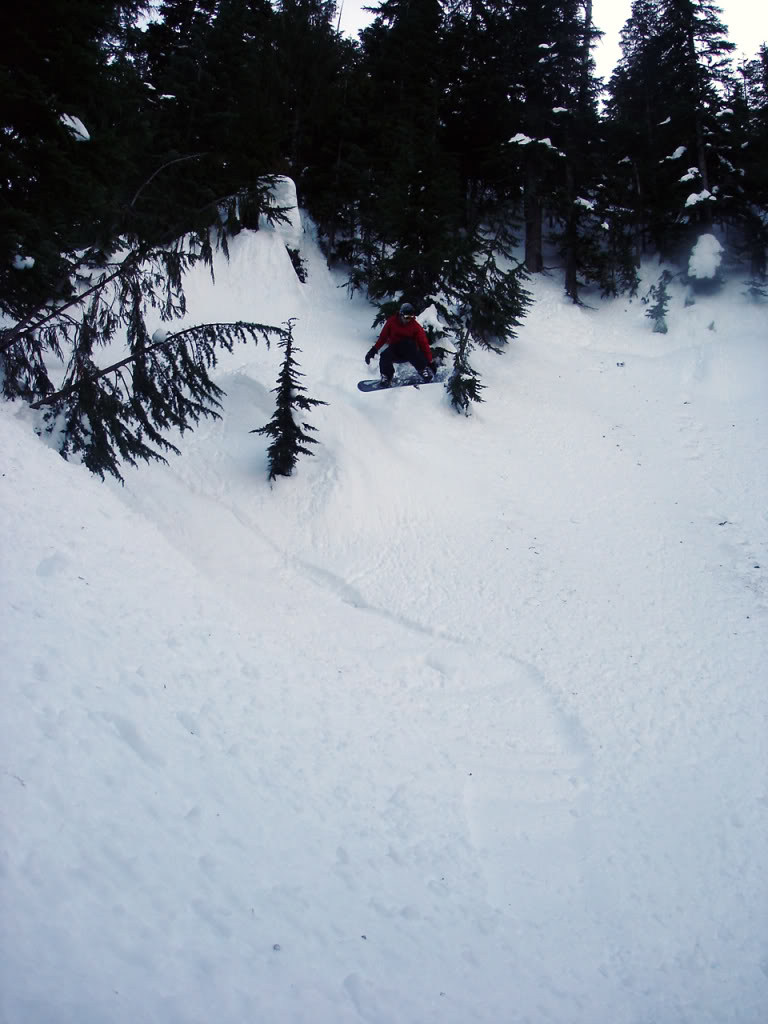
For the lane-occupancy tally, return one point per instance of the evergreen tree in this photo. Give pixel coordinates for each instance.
(581, 132)
(749, 103)
(667, 98)
(481, 304)
(91, 252)
(464, 385)
(337, 189)
(482, 58)
(558, 94)
(207, 67)
(59, 193)
(659, 296)
(118, 413)
(542, 94)
(410, 207)
(308, 87)
(289, 438)
(553, 103)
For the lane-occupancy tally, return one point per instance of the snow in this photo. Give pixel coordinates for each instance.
(76, 127)
(699, 197)
(465, 722)
(691, 173)
(706, 256)
(523, 140)
(23, 262)
(430, 317)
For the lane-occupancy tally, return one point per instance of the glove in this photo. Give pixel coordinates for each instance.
(370, 354)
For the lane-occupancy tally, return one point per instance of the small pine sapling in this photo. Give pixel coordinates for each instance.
(484, 304)
(659, 295)
(464, 385)
(299, 263)
(289, 438)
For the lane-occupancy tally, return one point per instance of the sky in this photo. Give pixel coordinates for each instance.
(747, 22)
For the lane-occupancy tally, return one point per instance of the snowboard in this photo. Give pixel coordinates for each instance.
(405, 382)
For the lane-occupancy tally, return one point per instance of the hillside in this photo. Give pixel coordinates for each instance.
(465, 722)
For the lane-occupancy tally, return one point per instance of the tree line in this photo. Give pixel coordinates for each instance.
(427, 152)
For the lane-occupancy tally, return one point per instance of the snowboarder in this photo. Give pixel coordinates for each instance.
(406, 342)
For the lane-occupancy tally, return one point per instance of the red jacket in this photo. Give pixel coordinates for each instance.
(395, 330)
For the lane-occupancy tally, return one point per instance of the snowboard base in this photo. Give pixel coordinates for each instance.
(405, 382)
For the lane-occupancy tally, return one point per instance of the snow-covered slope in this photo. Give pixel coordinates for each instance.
(465, 722)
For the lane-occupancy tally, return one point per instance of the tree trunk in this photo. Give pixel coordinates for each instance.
(534, 261)
(571, 237)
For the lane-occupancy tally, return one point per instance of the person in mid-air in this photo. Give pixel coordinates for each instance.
(406, 342)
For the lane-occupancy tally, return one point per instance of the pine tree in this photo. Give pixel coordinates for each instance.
(464, 385)
(410, 205)
(206, 68)
(554, 138)
(308, 86)
(667, 100)
(581, 131)
(482, 57)
(481, 305)
(119, 413)
(289, 438)
(749, 103)
(59, 193)
(90, 229)
(542, 90)
(659, 295)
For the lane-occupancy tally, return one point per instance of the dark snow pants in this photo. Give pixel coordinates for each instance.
(406, 351)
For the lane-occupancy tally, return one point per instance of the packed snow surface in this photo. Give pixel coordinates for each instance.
(464, 722)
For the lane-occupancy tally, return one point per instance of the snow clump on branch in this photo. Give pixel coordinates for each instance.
(705, 258)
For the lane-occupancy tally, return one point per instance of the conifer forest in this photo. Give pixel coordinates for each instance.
(451, 151)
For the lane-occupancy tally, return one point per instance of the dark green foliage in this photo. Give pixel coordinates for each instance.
(480, 296)
(402, 201)
(289, 437)
(757, 289)
(481, 304)
(749, 102)
(464, 385)
(205, 70)
(309, 87)
(436, 94)
(118, 413)
(58, 194)
(299, 264)
(179, 142)
(659, 296)
(400, 146)
(669, 123)
(170, 156)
